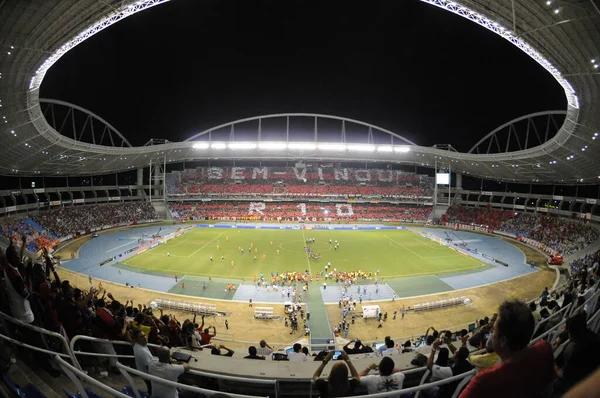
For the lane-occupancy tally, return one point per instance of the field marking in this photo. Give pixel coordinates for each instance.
(306, 253)
(413, 252)
(164, 255)
(180, 242)
(206, 244)
(118, 247)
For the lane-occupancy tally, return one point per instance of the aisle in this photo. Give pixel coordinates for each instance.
(320, 328)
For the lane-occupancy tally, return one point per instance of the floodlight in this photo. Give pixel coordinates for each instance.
(402, 149)
(361, 147)
(272, 145)
(218, 145)
(201, 145)
(385, 148)
(242, 145)
(332, 147)
(302, 145)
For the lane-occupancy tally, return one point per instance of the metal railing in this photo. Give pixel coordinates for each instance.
(68, 353)
(76, 376)
(126, 370)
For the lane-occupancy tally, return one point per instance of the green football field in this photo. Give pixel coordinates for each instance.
(395, 253)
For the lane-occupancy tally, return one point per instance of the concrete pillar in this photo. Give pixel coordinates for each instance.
(458, 181)
(140, 180)
(156, 181)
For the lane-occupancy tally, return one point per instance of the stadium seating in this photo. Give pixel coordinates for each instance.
(46, 228)
(563, 235)
(295, 182)
(286, 211)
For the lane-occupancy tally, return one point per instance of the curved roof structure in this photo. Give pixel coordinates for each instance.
(564, 40)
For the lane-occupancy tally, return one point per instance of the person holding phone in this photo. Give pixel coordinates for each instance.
(388, 379)
(337, 383)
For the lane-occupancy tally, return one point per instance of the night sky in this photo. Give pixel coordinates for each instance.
(188, 65)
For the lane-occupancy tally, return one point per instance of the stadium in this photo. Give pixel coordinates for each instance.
(299, 237)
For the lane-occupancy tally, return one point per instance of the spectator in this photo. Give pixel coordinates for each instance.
(581, 356)
(384, 346)
(425, 349)
(487, 359)
(459, 365)
(162, 367)
(206, 335)
(217, 351)
(16, 286)
(297, 355)
(388, 379)
(391, 348)
(536, 314)
(357, 349)
(529, 369)
(192, 338)
(142, 355)
(110, 324)
(407, 347)
(264, 349)
(337, 384)
(252, 353)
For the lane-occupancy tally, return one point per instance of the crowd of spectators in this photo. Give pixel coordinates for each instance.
(286, 211)
(566, 236)
(285, 182)
(72, 220)
(44, 229)
(14, 229)
(34, 294)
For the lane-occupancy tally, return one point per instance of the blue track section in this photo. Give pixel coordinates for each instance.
(490, 246)
(112, 244)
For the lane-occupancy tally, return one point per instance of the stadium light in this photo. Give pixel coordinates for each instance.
(361, 147)
(201, 145)
(272, 145)
(402, 149)
(385, 148)
(218, 145)
(332, 147)
(242, 145)
(302, 145)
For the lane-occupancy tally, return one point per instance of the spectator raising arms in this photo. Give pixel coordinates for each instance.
(337, 384)
(525, 372)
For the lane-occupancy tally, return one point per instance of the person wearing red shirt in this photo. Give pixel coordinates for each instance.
(205, 336)
(525, 372)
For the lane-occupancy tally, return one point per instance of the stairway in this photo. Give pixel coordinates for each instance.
(161, 209)
(437, 212)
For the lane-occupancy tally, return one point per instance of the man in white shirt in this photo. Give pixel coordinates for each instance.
(297, 356)
(265, 349)
(164, 369)
(388, 379)
(142, 355)
(391, 348)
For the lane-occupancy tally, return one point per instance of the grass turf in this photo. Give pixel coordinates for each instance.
(395, 253)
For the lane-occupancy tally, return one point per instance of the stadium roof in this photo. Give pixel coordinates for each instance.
(562, 37)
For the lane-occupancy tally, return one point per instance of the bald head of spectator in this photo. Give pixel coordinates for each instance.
(163, 354)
